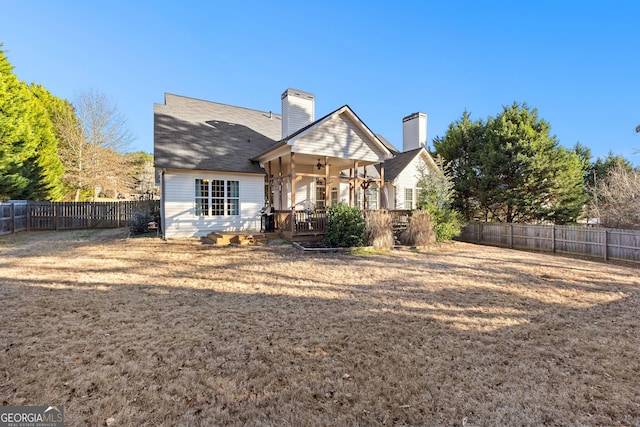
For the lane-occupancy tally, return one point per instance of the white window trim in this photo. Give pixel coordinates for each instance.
(226, 199)
(408, 202)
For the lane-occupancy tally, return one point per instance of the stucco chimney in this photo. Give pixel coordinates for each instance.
(414, 131)
(298, 109)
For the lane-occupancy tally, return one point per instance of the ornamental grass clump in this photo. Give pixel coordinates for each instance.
(420, 231)
(379, 232)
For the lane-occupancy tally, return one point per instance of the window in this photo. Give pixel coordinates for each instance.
(334, 195)
(215, 197)
(233, 197)
(372, 198)
(202, 197)
(408, 198)
(321, 193)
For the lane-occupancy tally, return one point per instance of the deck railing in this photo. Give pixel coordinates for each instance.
(315, 221)
(308, 221)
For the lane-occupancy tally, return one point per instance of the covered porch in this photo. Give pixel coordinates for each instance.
(335, 159)
(300, 188)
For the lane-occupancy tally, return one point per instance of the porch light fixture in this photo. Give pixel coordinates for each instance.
(319, 165)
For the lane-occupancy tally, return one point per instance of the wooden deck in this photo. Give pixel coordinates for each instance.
(310, 226)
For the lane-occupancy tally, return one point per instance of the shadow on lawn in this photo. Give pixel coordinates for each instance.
(400, 339)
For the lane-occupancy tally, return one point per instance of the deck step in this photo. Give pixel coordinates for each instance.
(225, 239)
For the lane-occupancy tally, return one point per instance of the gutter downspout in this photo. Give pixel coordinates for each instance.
(162, 201)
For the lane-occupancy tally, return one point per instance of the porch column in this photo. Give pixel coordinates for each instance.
(350, 187)
(269, 185)
(383, 196)
(356, 183)
(293, 193)
(327, 185)
(280, 181)
(365, 205)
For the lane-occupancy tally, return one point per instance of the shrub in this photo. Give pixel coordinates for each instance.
(420, 231)
(140, 222)
(436, 197)
(345, 226)
(379, 232)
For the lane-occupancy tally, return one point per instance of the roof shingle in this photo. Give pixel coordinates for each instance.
(195, 134)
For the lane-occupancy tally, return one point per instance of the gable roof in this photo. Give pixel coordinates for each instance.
(195, 134)
(387, 144)
(394, 167)
(382, 143)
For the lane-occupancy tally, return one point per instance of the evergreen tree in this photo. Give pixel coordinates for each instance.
(600, 169)
(17, 145)
(437, 193)
(512, 170)
(463, 141)
(48, 159)
(29, 165)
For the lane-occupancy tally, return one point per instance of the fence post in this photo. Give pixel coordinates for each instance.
(56, 214)
(606, 245)
(479, 230)
(510, 235)
(12, 214)
(553, 238)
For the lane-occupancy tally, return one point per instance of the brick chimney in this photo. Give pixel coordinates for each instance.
(414, 131)
(298, 109)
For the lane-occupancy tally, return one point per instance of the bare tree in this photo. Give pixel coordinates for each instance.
(142, 174)
(616, 200)
(102, 124)
(93, 136)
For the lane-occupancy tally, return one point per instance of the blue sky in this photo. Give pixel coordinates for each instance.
(577, 62)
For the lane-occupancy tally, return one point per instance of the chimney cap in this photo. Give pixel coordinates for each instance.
(413, 116)
(298, 93)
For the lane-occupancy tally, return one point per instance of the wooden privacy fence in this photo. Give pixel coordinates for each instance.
(21, 215)
(606, 243)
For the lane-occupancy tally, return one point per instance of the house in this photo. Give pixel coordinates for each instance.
(219, 165)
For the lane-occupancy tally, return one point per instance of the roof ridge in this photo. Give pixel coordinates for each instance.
(217, 103)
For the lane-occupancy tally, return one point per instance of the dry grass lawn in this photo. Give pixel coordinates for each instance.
(146, 332)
